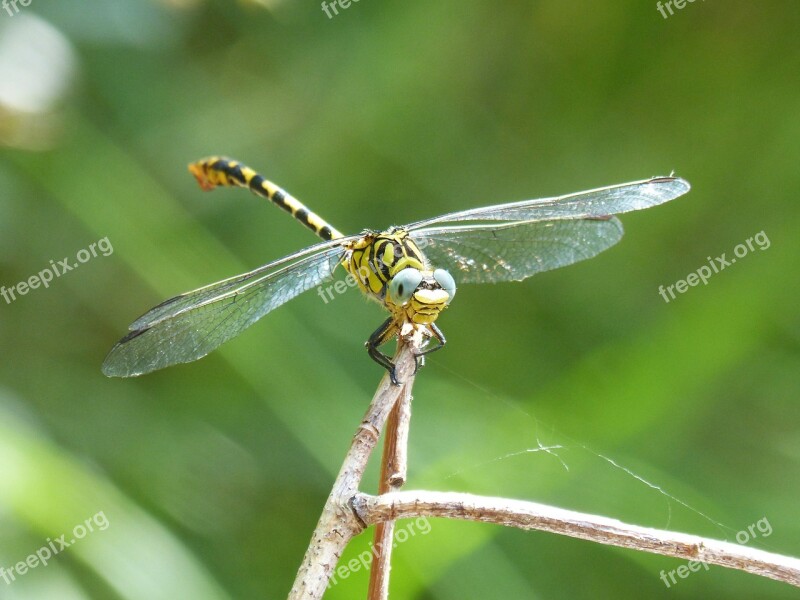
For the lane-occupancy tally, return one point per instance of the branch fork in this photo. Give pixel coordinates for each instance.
(347, 512)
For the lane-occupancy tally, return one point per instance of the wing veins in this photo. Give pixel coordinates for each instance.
(235, 285)
(596, 203)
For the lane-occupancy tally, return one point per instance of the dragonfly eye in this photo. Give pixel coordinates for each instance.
(444, 279)
(403, 285)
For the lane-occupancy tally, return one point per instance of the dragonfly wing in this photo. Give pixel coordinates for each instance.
(601, 202)
(190, 326)
(514, 251)
(173, 306)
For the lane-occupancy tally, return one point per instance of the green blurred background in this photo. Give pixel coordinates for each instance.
(212, 475)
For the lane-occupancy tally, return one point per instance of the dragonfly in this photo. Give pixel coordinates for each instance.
(411, 270)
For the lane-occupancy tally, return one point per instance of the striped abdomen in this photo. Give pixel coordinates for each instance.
(217, 170)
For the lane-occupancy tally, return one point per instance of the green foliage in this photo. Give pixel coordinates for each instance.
(212, 475)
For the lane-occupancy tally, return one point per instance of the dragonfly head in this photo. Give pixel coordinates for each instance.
(420, 295)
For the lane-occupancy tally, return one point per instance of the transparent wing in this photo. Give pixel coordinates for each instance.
(189, 326)
(173, 306)
(513, 251)
(601, 202)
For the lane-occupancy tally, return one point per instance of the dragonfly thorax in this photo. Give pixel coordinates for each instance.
(390, 268)
(376, 258)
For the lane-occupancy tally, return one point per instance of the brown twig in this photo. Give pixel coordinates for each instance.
(531, 515)
(394, 467)
(348, 512)
(338, 523)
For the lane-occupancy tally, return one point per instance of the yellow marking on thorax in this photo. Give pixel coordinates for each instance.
(405, 263)
(388, 254)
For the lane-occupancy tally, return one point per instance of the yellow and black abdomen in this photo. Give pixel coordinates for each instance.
(217, 170)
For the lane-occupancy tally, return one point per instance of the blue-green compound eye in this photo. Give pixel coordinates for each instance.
(403, 285)
(444, 279)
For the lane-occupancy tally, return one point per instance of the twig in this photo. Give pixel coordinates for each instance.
(348, 512)
(338, 523)
(397, 466)
(394, 467)
(531, 515)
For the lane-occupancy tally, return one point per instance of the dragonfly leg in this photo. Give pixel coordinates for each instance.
(379, 337)
(420, 356)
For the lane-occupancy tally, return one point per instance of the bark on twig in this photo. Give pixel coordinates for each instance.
(347, 512)
(531, 515)
(338, 524)
(394, 467)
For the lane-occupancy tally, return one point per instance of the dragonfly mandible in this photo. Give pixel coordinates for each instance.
(405, 269)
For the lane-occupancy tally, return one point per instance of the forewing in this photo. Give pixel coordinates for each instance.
(601, 202)
(190, 326)
(173, 306)
(513, 251)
